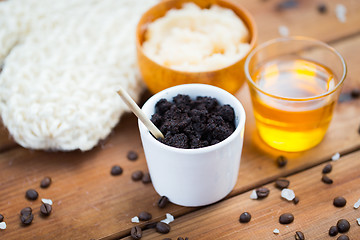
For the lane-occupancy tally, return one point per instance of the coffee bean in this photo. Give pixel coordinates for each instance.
(343, 237)
(137, 175)
(150, 225)
(162, 227)
(322, 8)
(343, 225)
(145, 216)
(45, 183)
(296, 200)
(262, 192)
(26, 210)
(286, 218)
(333, 231)
(299, 236)
(327, 168)
(136, 233)
(26, 218)
(146, 178)
(132, 156)
(281, 161)
(31, 194)
(282, 183)
(245, 217)
(45, 209)
(163, 201)
(326, 179)
(339, 202)
(1, 218)
(116, 170)
(355, 93)
(180, 238)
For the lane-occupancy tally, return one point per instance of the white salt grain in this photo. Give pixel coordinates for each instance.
(253, 195)
(288, 194)
(48, 201)
(2, 225)
(335, 157)
(135, 219)
(358, 221)
(357, 204)
(169, 218)
(340, 12)
(283, 31)
(276, 231)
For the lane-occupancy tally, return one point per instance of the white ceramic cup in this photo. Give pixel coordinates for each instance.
(194, 177)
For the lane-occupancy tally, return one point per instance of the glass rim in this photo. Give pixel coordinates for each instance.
(287, 39)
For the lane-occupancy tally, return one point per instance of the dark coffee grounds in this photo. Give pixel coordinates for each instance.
(188, 123)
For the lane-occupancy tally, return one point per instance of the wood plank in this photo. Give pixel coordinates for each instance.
(89, 203)
(304, 20)
(314, 214)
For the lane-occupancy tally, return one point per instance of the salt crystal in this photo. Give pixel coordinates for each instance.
(135, 219)
(276, 231)
(358, 221)
(169, 218)
(253, 195)
(340, 12)
(335, 157)
(283, 31)
(2, 225)
(357, 204)
(48, 201)
(288, 194)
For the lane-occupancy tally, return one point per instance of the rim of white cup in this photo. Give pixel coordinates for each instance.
(181, 89)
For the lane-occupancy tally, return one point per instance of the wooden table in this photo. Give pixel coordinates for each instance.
(89, 203)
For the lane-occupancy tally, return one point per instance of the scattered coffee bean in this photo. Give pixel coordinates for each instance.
(26, 218)
(167, 239)
(180, 238)
(326, 179)
(281, 161)
(31, 194)
(1, 218)
(245, 217)
(322, 8)
(146, 178)
(150, 225)
(132, 156)
(282, 183)
(339, 202)
(355, 93)
(343, 225)
(116, 170)
(162, 227)
(286, 4)
(136, 233)
(163, 201)
(45, 183)
(296, 200)
(137, 175)
(262, 192)
(26, 210)
(327, 168)
(333, 231)
(286, 218)
(45, 209)
(145, 216)
(343, 237)
(299, 236)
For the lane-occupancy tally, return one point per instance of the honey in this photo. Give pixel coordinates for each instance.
(291, 113)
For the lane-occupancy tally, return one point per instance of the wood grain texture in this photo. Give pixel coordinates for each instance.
(90, 203)
(314, 214)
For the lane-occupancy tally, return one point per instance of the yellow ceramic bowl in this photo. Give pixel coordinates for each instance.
(158, 77)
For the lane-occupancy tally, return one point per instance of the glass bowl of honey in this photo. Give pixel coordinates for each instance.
(294, 84)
